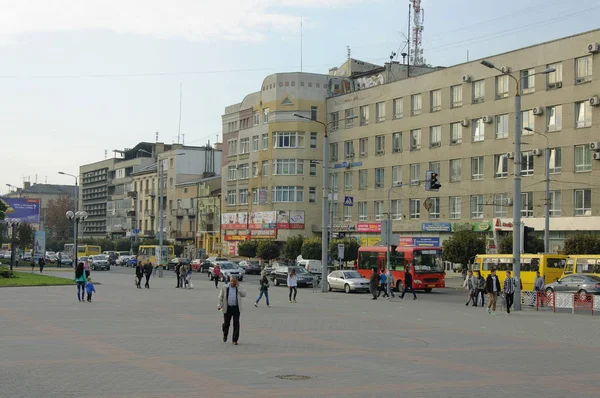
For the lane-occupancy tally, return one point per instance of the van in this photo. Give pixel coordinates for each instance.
(312, 266)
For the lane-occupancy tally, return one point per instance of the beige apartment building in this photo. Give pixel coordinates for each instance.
(459, 122)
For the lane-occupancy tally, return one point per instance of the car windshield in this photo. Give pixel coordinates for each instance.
(596, 278)
(352, 275)
(427, 261)
(227, 266)
(99, 258)
(301, 270)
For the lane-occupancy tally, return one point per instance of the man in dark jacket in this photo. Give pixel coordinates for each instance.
(147, 273)
(492, 286)
(408, 282)
(373, 283)
(177, 269)
(139, 273)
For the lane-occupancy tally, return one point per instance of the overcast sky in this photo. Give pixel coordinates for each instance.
(78, 78)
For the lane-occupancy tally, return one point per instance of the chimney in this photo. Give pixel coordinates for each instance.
(218, 146)
(26, 184)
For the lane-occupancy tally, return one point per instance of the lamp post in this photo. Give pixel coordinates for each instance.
(388, 237)
(517, 200)
(76, 210)
(13, 223)
(77, 218)
(547, 191)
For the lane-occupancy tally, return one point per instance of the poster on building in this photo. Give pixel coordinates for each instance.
(283, 219)
(263, 220)
(232, 248)
(370, 241)
(368, 227)
(234, 221)
(39, 244)
(262, 196)
(25, 210)
(263, 234)
(296, 219)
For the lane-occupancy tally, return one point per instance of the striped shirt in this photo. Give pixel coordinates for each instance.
(509, 285)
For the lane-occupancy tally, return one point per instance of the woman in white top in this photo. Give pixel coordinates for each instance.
(292, 282)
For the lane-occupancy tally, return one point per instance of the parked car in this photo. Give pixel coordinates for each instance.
(27, 256)
(123, 257)
(132, 262)
(50, 257)
(576, 283)
(228, 269)
(199, 265)
(173, 263)
(348, 281)
(280, 274)
(250, 266)
(99, 262)
(66, 259)
(312, 266)
(213, 259)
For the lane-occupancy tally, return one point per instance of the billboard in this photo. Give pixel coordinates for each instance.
(290, 219)
(419, 242)
(39, 244)
(368, 227)
(263, 220)
(26, 210)
(234, 220)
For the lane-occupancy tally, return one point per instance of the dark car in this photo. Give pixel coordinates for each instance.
(201, 265)
(252, 267)
(173, 263)
(280, 274)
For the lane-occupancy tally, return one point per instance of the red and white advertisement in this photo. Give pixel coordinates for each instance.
(374, 227)
(263, 220)
(263, 234)
(290, 219)
(234, 221)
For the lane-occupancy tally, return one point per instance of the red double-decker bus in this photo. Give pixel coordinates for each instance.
(425, 264)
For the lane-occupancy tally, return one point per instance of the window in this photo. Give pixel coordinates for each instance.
(231, 197)
(455, 133)
(583, 158)
(244, 170)
(364, 115)
(333, 181)
(416, 104)
(436, 100)
(501, 86)
(477, 206)
(396, 142)
(396, 175)
(501, 202)
(477, 168)
(380, 111)
(554, 79)
(502, 126)
(415, 140)
(527, 120)
(527, 163)
(554, 117)
(555, 201)
(254, 169)
(378, 208)
(255, 143)
(265, 141)
(347, 213)
(288, 194)
(265, 115)
(348, 181)
(555, 161)
(478, 130)
(583, 69)
(379, 177)
(398, 108)
(363, 145)
(232, 144)
(313, 168)
(455, 170)
(362, 179)
(478, 91)
(362, 211)
(348, 149)
(527, 81)
(349, 121)
(265, 168)
(435, 136)
(583, 114)
(314, 113)
(527, 201)
(245, 145)
(435, 167)
(256, 118)
(231, 173)
(415, 173)
(243, 196)
(312, 195)
(120, 173)
(396, 209)
(583, 202)
(255, 196)
(288, 140)
(500, 166)
(456, 96)
(334, 120)
(434, 210)
(414, 209)
(333, 151)
(455, 205)
(288, 167)
(379, 145)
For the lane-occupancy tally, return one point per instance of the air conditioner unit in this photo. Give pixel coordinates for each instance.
(595, 101)
(555, 85)
(538, 110)
(466, 78)
(465, 122)
(595, 145)
(536, 152)
(593, 48)
(379, 152)
(596, 155)
(397, 150)
(505, 69)
(510, 155)
(435, 144)
(487, 119)
(350, 155)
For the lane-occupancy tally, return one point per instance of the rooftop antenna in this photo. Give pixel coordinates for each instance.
(418, 19)
(105, 154)
(300, 44)
(157, 137)
(180, 99)
(348, 51)
(183, 139)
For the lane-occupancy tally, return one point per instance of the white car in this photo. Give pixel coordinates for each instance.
(228, 269)
(123, 258)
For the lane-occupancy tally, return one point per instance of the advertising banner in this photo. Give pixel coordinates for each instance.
(39, 244)
(234, 238)
(26, 210)
(263, 220)
(234, 221)
(262, 196)
(368, 227)
(296, 219)
(283, 219)
(419, 242)
(436, 227)
(263, 234)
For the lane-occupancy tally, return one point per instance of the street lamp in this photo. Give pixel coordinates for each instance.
(77, 218)
(13, 223)
(547, 193)
(388, 237)
(76, 206)
(517, 205)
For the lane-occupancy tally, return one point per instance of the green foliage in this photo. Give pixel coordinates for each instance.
(178, 250)
(3, 208)
(311, 249)
(534, 244)
(122, 245)
(463, 246)
(247, 248)
(25, 234)
(3, 231)
(582, 244)
(268, 250)
(292, 247)
(5, 272)
(350, 249)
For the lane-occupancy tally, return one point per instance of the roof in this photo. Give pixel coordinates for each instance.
(50, 189)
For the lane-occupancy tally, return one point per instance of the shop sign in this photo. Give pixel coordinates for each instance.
(483, 226)
(436, 227)
(234, 221)
(263, 220)
(232, 238)
(263, 234)
(368, 227)
(344, 228)
(419, 242)
(503, 224)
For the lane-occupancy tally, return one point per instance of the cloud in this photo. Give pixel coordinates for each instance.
(193, 20)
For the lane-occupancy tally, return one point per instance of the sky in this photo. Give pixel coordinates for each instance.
(79, 79)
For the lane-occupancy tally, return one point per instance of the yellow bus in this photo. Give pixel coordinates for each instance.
(150, 253)
(550, 266)
(583, 264)
(88, 250)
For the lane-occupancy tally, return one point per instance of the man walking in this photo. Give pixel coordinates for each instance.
(492, 285)
(177, 269)
(509, 291)
(390, 282)
(373, 282)
(538, 286)
(230, 304)
(382, 284)
(408, 281)
(147, 272)
(480, 289)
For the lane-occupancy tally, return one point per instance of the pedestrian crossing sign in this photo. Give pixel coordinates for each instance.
(348, 200)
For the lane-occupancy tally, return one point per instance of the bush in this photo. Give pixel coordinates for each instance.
(311, 249)
(350, 249)
(247, 248)
(6, 273)
(582, 244)
(267, 250)
(292, 247)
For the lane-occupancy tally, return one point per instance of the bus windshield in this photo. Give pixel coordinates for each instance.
(427, 261)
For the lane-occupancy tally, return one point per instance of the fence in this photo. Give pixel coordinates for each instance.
(553, 301)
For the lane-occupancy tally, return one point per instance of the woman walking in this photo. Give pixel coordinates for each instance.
(182, 275)
(469, 287)
(148, 272)
(264, 288)
(216, 275)
(80, 280)
(86, 267)
(292, 282)
(139, 274)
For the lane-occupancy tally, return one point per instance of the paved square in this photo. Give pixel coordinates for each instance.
(166, 342)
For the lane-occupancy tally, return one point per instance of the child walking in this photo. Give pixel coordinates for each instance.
(89, 288)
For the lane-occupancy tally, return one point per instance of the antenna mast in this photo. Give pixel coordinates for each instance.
(417, 31)
(300, 44)
(180, 99)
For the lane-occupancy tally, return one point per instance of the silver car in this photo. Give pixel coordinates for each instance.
(348, 281)
(576, 283)
(99, 262)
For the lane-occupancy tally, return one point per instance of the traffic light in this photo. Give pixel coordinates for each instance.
(527, 236)
(431, 181)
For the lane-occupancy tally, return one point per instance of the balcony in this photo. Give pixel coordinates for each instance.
(131, 213)
(191, 213)
(150, 192)
(149, 213)
(178, 212)
(182, 234)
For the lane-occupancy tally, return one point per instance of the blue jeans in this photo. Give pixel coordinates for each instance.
(266, 293)
(80, 288)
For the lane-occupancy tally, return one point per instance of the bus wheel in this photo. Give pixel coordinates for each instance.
(428, 290)
(398, 287)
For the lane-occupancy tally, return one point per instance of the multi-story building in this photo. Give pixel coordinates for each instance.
(460, 122)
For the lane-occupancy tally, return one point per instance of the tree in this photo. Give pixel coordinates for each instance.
(582, 244)
(311, 249)
(25, 235)
(178, 249)
(350, 249)
(123, 245)
(3, 208)
(55, 216)
(248, 248)
(533, 245)
(292, 247)
(463, 246)
(267, 250)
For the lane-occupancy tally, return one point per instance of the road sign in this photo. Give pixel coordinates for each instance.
(340, 251)
(342, 165)
(136, 231)
(356, 164)
(349, 201)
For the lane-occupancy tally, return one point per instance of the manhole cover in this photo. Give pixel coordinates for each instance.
(293, 377)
